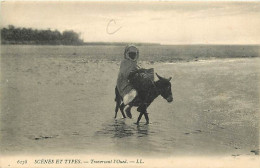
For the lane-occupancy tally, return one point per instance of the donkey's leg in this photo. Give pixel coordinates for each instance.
(117, 100)
(117, 107)
(146, 118)
(139, 118)
(115, 114)
(122, 106)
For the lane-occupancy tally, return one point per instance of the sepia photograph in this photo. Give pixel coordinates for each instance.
(129, 84)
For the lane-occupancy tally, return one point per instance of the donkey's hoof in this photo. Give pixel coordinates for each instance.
(147, 123)
(136, 123)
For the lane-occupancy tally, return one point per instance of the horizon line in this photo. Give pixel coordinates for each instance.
(139, 43)
(158, 43)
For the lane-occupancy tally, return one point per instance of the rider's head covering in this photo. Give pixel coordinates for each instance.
(131, 53)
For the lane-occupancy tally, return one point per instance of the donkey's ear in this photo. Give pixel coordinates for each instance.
(158, 76)
(169, 79)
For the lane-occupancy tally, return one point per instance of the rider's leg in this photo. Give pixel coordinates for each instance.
(128, 111)
(129, 96)
(122, 106)
(127, 99)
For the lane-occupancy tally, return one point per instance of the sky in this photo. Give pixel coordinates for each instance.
(153, 22)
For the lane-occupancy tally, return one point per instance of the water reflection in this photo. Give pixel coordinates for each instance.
(120, 129)
(143, 130)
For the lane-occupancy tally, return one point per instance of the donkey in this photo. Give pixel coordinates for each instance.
(144, 99)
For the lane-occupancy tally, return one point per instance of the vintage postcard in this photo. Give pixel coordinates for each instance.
(130, 84)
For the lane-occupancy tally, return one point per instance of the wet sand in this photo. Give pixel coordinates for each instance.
(65, 105)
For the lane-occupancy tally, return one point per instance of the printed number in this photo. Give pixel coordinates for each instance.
(22, 162)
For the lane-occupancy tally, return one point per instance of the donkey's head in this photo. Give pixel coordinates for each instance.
(164, 87)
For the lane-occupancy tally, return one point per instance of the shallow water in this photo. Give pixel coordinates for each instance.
(62, 105)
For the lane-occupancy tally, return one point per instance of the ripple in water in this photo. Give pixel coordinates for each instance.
(121, 129)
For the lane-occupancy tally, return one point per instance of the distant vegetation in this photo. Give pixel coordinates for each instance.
(14, 35)
(17, 35)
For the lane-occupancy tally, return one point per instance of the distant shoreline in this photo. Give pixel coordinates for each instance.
(152, 53)
(122, 44)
